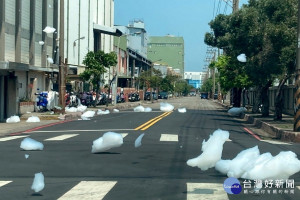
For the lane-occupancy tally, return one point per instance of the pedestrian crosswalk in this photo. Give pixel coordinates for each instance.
(89, 190)
(98, 190)
(62, 137)
(11, 138)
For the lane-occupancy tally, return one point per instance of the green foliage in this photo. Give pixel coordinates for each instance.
(207, 85)
(96, 64)
(182, 87)
(266, 31)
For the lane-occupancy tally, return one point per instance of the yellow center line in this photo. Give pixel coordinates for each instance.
(152, 121)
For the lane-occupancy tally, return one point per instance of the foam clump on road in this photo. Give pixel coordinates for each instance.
(101, 112)
(138, 141)
(70, 109)
(38, 182)
(107, 141)
(116, 110)
(148, 109)
(13, 119)
(139, 109)
(281, 166)
(166, 107)
(235, 111)
(249, 164)
(182, 110)
(33, 119)
(240, 164)
(81, 108)
(88, 114)
(212, 151)
(31, 144)
(26, 156)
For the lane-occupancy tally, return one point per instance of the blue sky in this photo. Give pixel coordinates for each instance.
(186, 18)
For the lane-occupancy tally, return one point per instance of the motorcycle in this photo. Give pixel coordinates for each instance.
(41, 101)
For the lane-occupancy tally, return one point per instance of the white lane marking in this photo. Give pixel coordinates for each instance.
(2, 183)
(99, 130)
(12, 138)
(124, 134)
(298, 187)
(206, 191)
(229, 140)
(61, 137)
(168, 138)
(89, 190)
(275, 142)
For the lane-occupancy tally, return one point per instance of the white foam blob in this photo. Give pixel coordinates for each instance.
(41, 43)
(38, 182)
(236, 111)
(148, 109)
(49, 29)
(242, 58)
(26, 156)
(281, 166)
(33, 119)
(13, 119)
(107, 141)
(212, 150)
(70, 109)
(240, 164)
(182, 110)
(81, 108)
(166, 107)
(139, 109)
(101, 112)
(31, 144)
(116, 110)
(88, 114)
(138, 141)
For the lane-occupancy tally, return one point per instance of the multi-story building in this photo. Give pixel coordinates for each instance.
(89, 26)
(195, 79)
(132, 44)
(29, 55)
(26, 51)
(168, 49)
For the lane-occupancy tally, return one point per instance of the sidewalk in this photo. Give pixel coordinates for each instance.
(280, 130)
(47, 119)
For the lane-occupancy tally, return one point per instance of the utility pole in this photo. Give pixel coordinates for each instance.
(235, 5)
(297, 81)
(62, 66)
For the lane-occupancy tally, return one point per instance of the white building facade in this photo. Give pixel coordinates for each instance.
(195, 78)
(24, 49)
(89, 26)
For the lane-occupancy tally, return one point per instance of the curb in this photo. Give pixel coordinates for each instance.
(274, 132)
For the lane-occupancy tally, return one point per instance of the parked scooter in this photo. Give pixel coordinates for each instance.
(41, 101)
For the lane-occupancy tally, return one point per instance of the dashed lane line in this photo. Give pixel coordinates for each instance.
(11, 138)
(168, 138)
(89, 190)
(2, 183)
(61, 137)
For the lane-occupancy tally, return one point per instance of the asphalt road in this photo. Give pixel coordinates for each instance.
(156, 170)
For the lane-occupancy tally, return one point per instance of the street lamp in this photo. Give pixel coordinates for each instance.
(81, 38)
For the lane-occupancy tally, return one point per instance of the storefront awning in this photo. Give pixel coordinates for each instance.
(107, 30)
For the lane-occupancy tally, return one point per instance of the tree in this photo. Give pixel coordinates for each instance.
(265, 32)
(207, 85)
(96, 65)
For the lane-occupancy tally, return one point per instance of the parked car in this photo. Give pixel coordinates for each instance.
(163, 95)
(193, 93)
(204, 95)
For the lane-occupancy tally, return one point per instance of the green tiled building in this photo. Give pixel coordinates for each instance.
(167, 49)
